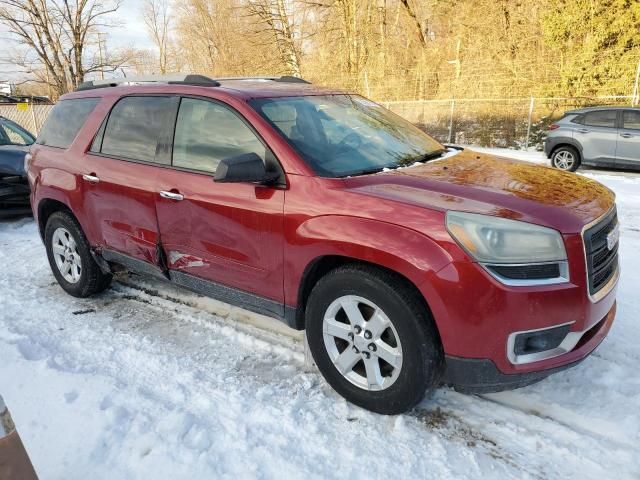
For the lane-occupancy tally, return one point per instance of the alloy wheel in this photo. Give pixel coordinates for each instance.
(66, 255)
(564, 160)
(362, 343)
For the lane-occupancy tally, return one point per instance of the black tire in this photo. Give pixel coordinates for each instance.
(92, 279)
(556, 161)
(423, 359)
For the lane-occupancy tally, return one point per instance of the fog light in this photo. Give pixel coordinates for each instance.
(539, 341)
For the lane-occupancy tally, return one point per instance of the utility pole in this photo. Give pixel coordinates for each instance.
(48, 82)
(99, 34)
(458, 69)
(636, 93)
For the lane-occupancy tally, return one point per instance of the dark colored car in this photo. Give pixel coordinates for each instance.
(596, 136)
(14, 461)
(14, 189)
(407, 263)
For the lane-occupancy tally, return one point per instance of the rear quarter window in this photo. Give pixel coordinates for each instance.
(632, 119)
(65, 121)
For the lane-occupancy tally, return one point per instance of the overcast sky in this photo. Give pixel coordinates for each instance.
(132, 33)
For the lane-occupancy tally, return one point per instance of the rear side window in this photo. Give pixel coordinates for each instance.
(134, 128)
(632, 120)
(207, 132)
(65, 121)
(601, 118)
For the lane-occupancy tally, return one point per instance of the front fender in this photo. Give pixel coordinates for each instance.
(405, 251)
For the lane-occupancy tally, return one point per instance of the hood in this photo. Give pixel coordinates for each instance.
(491, 185)
(12, 159)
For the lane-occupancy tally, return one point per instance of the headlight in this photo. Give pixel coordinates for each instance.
(494, 240)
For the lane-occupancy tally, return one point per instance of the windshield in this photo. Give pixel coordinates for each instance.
(346, 135)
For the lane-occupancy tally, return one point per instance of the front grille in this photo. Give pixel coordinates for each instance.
(602, 263)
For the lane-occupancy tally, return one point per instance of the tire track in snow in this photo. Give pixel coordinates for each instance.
(450, 423)
(597, 428)
(197, 363)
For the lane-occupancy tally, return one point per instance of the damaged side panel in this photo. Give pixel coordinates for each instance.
(179, 261)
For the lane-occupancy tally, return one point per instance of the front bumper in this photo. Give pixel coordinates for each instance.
(476, 314)
(475, 375)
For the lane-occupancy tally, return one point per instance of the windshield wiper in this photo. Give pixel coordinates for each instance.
(417, 159)
(366, 171)
(426, 157)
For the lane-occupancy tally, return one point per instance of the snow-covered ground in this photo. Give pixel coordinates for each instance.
(150, 382)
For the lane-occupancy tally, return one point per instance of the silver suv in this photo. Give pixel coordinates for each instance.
(597, 136)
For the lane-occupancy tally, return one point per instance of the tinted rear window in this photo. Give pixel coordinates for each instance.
(65, 121)
(632, 119)
(134, 127)
(601, 118)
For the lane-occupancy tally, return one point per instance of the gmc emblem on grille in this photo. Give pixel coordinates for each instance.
(612, 237)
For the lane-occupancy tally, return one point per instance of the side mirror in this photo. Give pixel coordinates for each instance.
(247, 168)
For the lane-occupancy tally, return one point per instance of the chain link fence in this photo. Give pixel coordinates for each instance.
(503, 122)
(27, 115)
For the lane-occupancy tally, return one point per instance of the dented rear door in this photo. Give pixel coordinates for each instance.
(119, 175)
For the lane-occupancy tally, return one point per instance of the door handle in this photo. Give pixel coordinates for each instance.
(172, 195)
(583, 130)
(91, 178)
(626, 135)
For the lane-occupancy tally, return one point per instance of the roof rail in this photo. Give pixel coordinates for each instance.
(283, 79)
(178, 79)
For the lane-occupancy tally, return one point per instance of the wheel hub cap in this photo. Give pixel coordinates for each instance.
(564, 160)
(66, 255)
(362, 343)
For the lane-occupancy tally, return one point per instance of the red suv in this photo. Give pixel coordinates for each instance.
(410, 264)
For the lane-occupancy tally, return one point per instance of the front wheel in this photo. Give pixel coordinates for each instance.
(373, 339)
(70, 257)
(566, 158)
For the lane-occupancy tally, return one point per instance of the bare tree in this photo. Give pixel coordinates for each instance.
(56, 34)
(273, 15)
(156, 15)
(414, 18)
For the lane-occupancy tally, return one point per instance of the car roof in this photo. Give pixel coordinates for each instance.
(243, 88)
(601, 107)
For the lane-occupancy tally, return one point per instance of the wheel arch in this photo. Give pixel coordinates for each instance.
(323, 243)
(46, 208)
(320, 266)
(567, 142)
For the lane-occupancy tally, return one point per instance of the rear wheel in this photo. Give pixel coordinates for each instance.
(373, 339)
(70, 257)
(566, 158)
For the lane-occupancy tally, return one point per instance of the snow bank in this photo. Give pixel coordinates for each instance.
(147, 381)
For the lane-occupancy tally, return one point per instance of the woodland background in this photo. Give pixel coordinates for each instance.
(505, 66)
